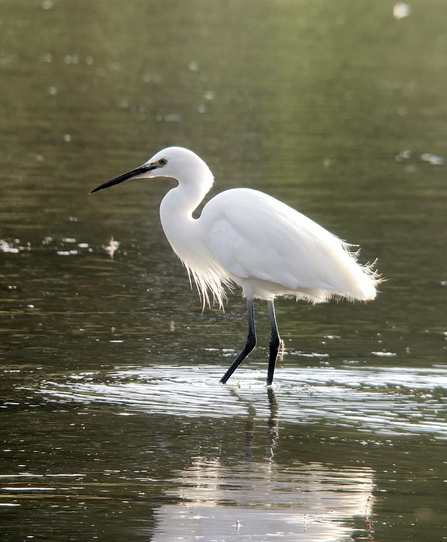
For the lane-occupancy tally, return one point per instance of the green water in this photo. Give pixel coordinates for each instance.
(114, 425)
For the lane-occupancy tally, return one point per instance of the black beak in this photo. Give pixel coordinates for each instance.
(125, 177)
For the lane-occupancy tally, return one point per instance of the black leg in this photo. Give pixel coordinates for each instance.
(274, 342)
(249, 344)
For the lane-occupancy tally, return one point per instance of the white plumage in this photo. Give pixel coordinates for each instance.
(270, 249)
(249, 238)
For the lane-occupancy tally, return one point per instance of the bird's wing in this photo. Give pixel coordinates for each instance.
(255, 236)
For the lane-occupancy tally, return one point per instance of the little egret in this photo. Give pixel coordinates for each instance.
(249, 238)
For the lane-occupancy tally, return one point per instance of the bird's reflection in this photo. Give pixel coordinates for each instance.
(272, 423)
(259, 497)
(250, 423)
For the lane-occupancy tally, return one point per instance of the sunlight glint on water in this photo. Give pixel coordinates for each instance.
(372, 399)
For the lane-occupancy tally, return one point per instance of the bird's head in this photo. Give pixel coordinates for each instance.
(175, 162)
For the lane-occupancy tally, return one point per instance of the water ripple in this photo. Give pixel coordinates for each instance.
(382, 400)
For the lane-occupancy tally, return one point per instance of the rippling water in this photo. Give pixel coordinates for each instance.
(304, 458)
(383, 401)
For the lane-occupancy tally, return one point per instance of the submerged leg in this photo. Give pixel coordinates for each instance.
(249, 344)
(274, 342)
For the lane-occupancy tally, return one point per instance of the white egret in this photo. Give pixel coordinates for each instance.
(249, 238)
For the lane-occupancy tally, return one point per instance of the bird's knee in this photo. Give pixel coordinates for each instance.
(251, 342)
(274, 342)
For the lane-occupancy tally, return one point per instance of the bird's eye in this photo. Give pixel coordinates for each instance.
(162, 162)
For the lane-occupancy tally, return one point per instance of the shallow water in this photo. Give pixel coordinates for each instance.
(114, 424)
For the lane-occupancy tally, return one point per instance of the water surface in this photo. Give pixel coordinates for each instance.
(114, 424)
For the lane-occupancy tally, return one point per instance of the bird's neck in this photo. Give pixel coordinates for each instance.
(180, 202)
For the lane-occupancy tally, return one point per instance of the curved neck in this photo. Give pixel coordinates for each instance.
(180, 202)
